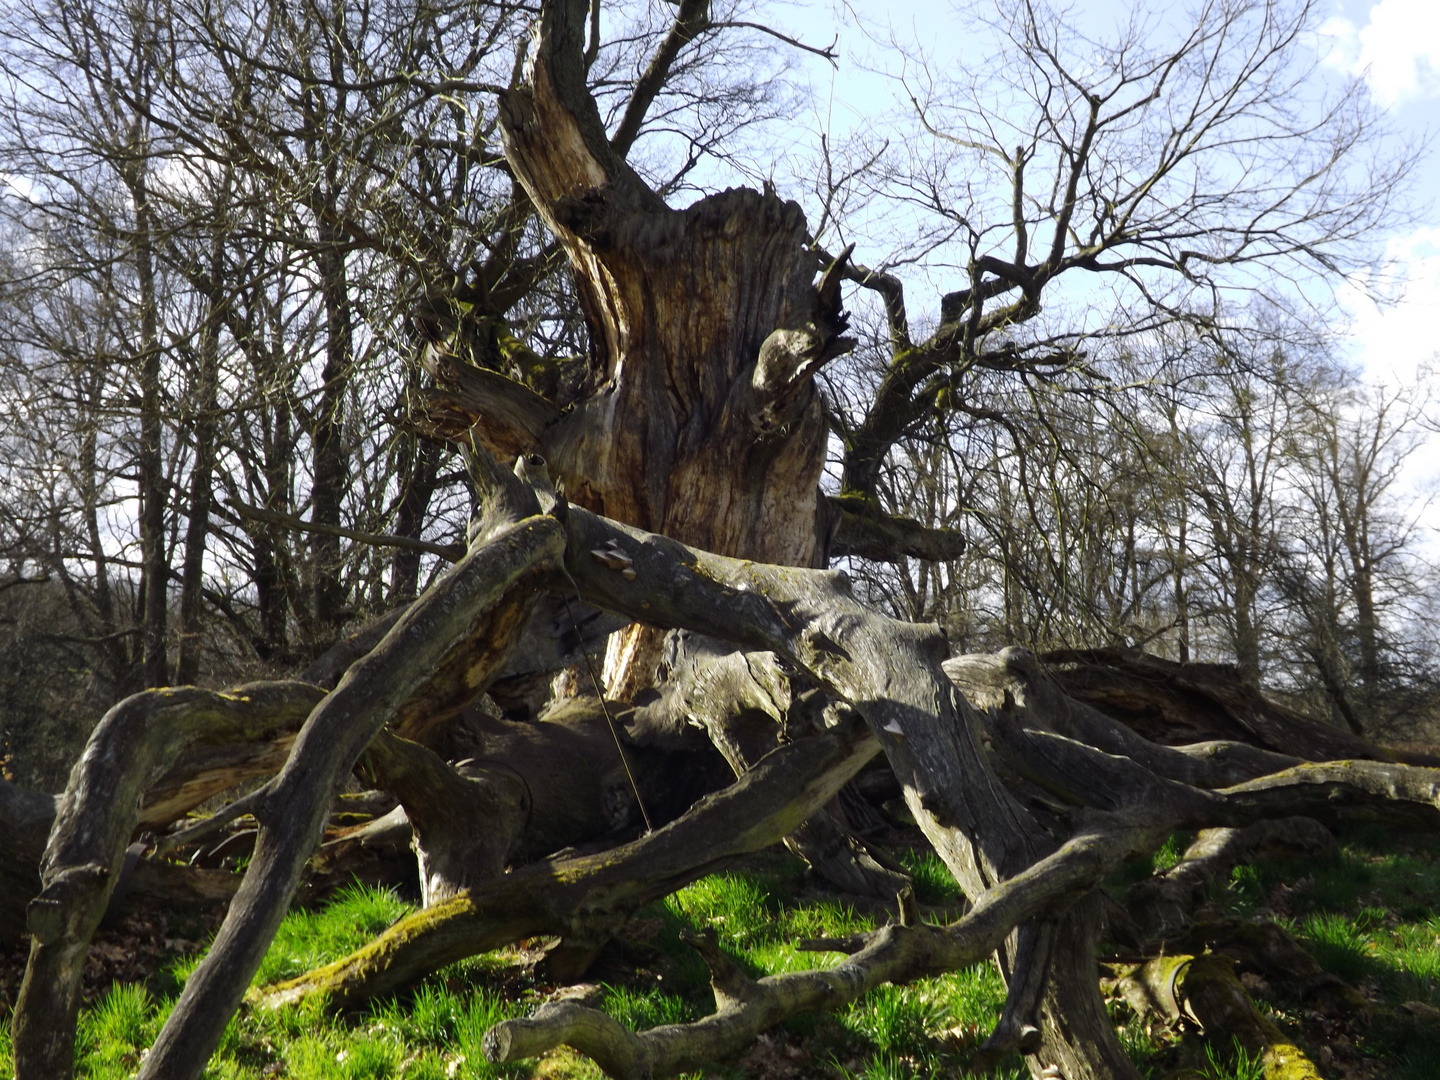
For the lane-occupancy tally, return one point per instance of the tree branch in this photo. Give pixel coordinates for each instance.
(691, 20)
(449, 552)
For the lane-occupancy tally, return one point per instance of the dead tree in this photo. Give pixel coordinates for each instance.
(690, 444)
(888, 690)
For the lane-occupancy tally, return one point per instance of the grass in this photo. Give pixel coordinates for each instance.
(308, 939)
(1369, 916)
(435, 1032)
(933, 881)
(1235, 1065)
(1366, 916)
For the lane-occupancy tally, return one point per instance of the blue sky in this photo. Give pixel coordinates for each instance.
(1393, 46)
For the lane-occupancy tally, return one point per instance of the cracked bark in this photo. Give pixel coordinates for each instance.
(88, 839)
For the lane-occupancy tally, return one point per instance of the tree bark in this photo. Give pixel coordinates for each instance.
(293, 814)
(1204, 989)
(701, 420)
(197, 508)
(748, 705)
(96, 817)
(593, 895)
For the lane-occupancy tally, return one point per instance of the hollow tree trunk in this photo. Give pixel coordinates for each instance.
(702, 422)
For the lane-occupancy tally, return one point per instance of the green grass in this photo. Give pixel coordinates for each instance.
(308, 939)
(934, 883)
(1235, 1065)
(894, 1031)
(111, 1036)
(1369, 916)
(1366, 916)
(435, 1033)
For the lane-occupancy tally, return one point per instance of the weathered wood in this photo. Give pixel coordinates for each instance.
(327, 748)
(896, 953)
(1014, 677)
(857, 526)
(139, 737)
(539, 787)
(1266, 948)
(890, 672)
(444, 804)
(707, 322)
(747, 705)
(467, 667)
(562, 631)
(595, 893)
(1175, 704)
(202, 772)
(507, 417)
(1163, 905)
(1205, 990)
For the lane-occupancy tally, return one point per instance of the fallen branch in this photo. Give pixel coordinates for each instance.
(293, 815)
(140, 736)
(894, 954)
(582, 897)
(1204, 989)
(1162, 905)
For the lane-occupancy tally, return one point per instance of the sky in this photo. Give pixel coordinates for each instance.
(1389, 323)
(1394, 47)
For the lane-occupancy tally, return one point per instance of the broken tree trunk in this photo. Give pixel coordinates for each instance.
(539, 787)
(1175, 704)
(90, 835)
(140, 736)
(747, 704)
(297, 800)
(890, 674)
(1204, 989)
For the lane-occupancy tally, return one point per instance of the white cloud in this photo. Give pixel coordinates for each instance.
(1397, 51)
(20, 185)
(1393, 339)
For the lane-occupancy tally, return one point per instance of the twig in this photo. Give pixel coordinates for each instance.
(450, 552)
(224, 816)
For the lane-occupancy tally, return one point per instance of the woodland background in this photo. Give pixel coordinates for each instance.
(223, 256)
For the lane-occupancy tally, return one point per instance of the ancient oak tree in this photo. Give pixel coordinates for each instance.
(667, 486)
